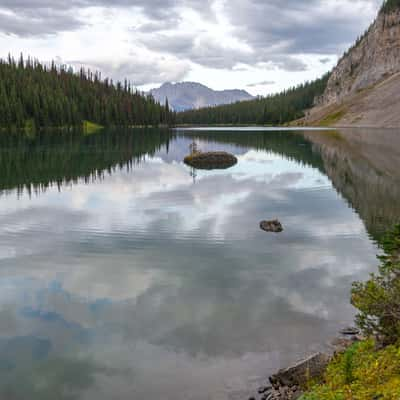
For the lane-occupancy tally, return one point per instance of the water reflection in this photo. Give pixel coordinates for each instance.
(364, 166)
(143, 284)
(60, 159)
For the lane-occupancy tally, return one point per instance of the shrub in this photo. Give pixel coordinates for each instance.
(361, 373)
(378, 299)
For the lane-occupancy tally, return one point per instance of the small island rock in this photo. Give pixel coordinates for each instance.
(211, 160)
(271, 226)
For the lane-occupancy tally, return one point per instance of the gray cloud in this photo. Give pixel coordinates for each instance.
(40, 22)
(273, 35)
(63, 14)
(278, 33)
(324, 60)
(262, 83)
(298, 26)
(138, 70)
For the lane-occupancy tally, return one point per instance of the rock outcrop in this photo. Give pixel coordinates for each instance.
(211, 160)
(271, 226)
(299, 375)
(374, 57)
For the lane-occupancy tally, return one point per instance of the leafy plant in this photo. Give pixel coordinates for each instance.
(378, 299)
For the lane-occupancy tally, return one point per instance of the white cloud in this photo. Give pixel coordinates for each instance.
(222, 44)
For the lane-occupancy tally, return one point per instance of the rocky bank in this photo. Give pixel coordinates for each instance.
(290, 383)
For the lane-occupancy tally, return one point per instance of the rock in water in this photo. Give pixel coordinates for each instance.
(271, 226)
(350, 331)
(211, 160)
(264, 389)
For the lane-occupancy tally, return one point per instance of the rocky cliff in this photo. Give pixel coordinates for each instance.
(364, 87)
(375, 56)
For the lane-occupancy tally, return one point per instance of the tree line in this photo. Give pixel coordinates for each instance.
(33, 94)
(274, 109)
(390, 5)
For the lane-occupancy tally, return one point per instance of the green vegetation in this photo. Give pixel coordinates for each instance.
(361, 373)
(371, 369)
(271, 110)
(91, 127)
(331, 119)
(378, 299)
(390, 5)
(32, 163)
(33, 95)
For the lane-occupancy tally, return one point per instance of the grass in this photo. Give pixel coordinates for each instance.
(90, 127)
(333, 118)
(361, 373)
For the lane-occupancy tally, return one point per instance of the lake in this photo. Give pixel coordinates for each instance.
(125, 274)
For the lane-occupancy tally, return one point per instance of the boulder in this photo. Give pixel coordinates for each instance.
(264, 389)
(271, 226)
(340, 345)
(211, 160)
(300, 373)
(350, 331)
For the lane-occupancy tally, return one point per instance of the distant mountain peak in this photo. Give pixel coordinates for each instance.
(188, 95)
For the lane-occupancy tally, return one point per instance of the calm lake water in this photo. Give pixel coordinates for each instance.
(125, 275)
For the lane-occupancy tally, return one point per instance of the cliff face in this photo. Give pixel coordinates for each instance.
(375, 57)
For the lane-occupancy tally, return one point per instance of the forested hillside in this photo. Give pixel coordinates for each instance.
(36, 95)
(274, 109)
(390, 5)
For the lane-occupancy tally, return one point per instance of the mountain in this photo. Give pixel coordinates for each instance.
(364, 87)
(274, 109)
(190, 95)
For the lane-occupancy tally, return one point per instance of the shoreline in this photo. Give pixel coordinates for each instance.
(282, 127)
(289, 383)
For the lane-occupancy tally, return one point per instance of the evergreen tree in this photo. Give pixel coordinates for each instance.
(274, 109)
(54, 96)
(390, 5)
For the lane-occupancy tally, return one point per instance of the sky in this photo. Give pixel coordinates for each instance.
(262, 46)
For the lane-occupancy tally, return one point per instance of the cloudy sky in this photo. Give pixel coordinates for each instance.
(258, 45)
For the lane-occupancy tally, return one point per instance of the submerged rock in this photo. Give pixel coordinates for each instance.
(271, 226)
(264, 389)
(211, 160)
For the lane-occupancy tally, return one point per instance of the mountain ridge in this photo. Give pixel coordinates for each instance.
(192, 95)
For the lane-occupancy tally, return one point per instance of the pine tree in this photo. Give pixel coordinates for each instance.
(274, 109)
(55, 96)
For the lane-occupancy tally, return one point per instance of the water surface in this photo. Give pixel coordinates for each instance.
(125, 274)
